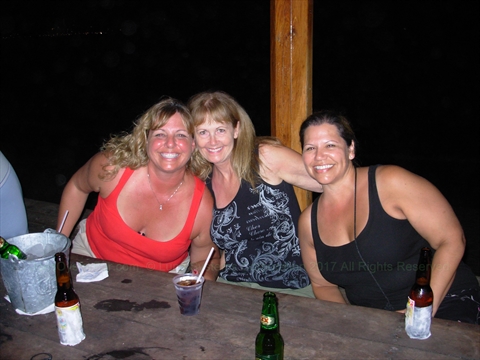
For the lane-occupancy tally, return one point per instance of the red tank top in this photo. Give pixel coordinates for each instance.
(113, 240)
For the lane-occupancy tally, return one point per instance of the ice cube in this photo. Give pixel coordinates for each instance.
(49, 250)
(34, 252)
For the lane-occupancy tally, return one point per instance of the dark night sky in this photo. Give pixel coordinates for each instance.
(405, 72)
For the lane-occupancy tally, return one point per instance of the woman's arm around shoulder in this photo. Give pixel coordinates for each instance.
(405, 195)
(202, 242)
(322, 289)
(75, 193)
(282, 163)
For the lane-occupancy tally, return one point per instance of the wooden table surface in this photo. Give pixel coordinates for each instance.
(133, 314)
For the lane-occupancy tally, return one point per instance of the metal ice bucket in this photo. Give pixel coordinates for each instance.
(31, 283)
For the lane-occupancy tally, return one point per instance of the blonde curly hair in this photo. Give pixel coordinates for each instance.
(130, 149)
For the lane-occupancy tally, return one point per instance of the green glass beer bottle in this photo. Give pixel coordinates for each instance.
(7, 249)
(269, 342)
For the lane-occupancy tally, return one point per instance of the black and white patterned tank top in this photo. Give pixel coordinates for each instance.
(258, 233)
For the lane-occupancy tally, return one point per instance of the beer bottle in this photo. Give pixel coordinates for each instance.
(269, 342)
(7, 250)
(418, 314)
(67, 305)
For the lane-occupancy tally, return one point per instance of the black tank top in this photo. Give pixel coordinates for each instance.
(258, 233)
(390, 248)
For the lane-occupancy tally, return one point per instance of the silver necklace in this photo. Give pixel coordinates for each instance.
(151, 188)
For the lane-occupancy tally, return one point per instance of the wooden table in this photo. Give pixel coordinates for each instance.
(133, 314)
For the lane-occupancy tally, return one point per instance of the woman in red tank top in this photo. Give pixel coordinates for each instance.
(152, 211)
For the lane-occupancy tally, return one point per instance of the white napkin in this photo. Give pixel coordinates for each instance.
(50, 308)
(92, 272)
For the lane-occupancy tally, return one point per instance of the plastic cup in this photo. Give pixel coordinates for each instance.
(189, 293)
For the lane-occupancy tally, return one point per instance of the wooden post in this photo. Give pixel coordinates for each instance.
(291, 28)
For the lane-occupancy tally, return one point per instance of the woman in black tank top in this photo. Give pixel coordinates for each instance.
(365, 231)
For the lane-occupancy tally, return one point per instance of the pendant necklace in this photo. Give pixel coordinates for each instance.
(151, 188)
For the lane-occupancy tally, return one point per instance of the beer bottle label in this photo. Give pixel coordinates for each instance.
(70, 324)
(418, 320)
(267, 321)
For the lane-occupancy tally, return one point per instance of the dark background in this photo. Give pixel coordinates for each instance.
(406, 73)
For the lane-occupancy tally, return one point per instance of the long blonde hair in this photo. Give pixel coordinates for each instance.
(223, 108)
(130, 149)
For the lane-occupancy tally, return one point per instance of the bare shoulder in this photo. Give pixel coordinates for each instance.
(304, 225)
(98, 162)
(393, 175)
(96, 172)
(306, 214)
(387, 171)
(404, 194)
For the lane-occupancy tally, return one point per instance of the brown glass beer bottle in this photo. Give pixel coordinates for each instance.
(67, 305)
(418, 315)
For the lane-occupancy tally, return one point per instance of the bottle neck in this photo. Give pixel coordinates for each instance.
(269, 319)
(424, 268)
(63, 274)
(3, 243)
(269, 323)
(64, 281)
